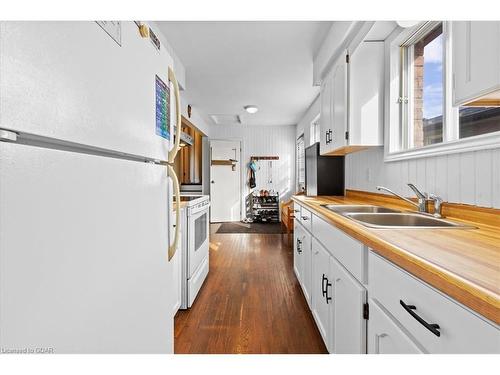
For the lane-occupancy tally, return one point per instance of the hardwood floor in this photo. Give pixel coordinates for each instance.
(251, 301)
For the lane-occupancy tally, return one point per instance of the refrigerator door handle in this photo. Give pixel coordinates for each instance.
(173, 247)
(172, 153)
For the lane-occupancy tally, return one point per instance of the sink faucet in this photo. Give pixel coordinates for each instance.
(422, 197)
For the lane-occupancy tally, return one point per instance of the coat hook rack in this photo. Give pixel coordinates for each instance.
(252, 158)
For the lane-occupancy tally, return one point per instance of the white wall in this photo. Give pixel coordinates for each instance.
(196, 116)
(264, 141)
(469, 177)
(304, 126)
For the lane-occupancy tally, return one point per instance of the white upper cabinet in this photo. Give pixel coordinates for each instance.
(476, 60)
(326, 119)
(352, 101)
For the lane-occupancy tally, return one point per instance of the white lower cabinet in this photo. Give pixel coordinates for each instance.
(302, 260)
(322, 292)
(298, 232)
(349, 323)
(385, 336)
(397, 314)
(305, 281)
(437, 323)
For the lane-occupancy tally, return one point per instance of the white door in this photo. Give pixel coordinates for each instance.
(385, 336)
(349, 327)
(476, 58)
(297, 253)
(306, 266)
(225, 192)
(325, 119)
(83, 253)
(322, 290)
(339, 102)
(75, 76)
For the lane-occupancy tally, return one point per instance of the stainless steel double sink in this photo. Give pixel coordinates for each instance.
(382, 217)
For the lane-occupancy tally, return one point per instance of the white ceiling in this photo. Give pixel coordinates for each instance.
(233, 64)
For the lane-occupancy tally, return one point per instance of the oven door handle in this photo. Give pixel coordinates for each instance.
(173, 247)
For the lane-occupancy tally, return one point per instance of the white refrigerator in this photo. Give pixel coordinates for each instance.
(87, 114)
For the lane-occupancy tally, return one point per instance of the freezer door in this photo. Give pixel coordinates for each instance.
(71, 81)
(83, 253)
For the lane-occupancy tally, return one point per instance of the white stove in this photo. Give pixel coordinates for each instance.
(195, 245)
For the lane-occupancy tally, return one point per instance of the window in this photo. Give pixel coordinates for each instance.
(314, 131)
(422, 120)
(422, 89)
(477, 120)
(301, 165)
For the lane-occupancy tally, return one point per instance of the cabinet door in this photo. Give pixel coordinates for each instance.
(298, 235)
(322, 291)
(349, 326)
(366, 95)
(306, 266)
(387, 337)
(476, 58)
(339, 102)
(325, 120)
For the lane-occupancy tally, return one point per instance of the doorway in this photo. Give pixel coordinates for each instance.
(225, 180)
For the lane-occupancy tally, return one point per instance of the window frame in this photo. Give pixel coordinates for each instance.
(315, 130)
(397, 137)
(300, 139)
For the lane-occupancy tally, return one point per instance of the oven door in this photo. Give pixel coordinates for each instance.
(198, 240)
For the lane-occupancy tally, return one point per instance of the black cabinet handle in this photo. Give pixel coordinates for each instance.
(299, 242)
(324, 288)
(330, 135)
(434, 328)
(323, 279)
(328, 299)
(305, 218)
(326, 137)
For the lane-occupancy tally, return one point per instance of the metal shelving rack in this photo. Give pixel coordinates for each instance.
(265, 209)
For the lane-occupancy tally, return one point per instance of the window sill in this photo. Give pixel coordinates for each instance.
(479, 142)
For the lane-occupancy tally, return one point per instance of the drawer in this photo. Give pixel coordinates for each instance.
(460, 330)
(305, 218)
(385, 336)
(351, 253)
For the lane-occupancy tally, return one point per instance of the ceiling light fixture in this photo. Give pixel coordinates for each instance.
(251, 108)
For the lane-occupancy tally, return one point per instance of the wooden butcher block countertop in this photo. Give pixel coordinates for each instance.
(462, 263)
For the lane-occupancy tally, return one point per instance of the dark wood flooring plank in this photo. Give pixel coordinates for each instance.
(251, 301)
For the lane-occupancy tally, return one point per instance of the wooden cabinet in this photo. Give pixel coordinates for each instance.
(385, 336)
(322, 290)
(476, 59)
(349, 316)
(352, 101)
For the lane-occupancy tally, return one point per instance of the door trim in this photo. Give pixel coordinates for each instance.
(241, 171)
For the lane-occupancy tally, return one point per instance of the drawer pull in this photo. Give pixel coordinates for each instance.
(305, 218)
(434, 328)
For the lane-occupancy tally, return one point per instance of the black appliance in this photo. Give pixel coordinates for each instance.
(324, 174)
